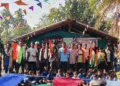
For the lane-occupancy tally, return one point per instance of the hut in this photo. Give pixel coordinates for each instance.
(68, 29)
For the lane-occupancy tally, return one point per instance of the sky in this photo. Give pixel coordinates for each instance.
(32, 17)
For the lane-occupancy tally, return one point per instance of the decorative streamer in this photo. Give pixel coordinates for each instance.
(37, 0)
(20, 2)
(31, 8)
(25, 12)
(40, 4)
(6, 5)
(1, 18)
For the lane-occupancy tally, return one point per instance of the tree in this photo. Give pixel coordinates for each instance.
(13, 26)
(78, 10)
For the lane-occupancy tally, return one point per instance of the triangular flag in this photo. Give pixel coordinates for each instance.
(32, 8)
(37, 0)
(25, 11)
(119, 1)
(39, 4)
(6, 5)
(1, 18)
(20, 2)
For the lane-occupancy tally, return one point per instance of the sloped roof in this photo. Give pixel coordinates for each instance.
(75, 25)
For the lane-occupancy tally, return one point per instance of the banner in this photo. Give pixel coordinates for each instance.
(66, 82)
(82, 41)
(11, 79)
(113, 83)
(43, 85)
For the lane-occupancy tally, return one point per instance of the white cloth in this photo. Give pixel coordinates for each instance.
(33, 52)
(94, 83)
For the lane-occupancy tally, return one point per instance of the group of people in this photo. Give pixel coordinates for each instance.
(59, 56)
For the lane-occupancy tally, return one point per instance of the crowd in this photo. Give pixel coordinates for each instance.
(56, 59)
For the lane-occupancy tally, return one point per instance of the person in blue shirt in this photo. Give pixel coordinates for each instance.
(45, 72)
(63, 54)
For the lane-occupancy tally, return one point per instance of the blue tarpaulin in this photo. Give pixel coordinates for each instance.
(11, 79)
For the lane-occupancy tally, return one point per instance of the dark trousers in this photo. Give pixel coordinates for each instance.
(32, 66)
(86, 65)
(22, 65)
(80, 65)
(14, 66)
(102, 65)
(109, 66)
(42, 65)
(72, 66)
(64, 66)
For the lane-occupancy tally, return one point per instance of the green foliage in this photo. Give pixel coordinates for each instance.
(78, 10)
(13, 27)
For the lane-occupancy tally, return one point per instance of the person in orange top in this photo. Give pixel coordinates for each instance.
(86, 55)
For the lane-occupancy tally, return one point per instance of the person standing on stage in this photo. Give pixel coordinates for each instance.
(43, 56)
(80, 57)
(108, 57)
(86, 56)
(32, 58)
(63, 54)
(7, 57)
(93, 55)
(19, 61)
(73, 56)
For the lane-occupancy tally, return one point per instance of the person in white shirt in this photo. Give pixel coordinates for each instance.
(32, 58)
(95, 81)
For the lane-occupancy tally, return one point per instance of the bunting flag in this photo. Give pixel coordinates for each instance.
(119, 1)
(20, 2)
(40, 4)
(6, 5)
(1, 18)
(37, 0)
(25, 12)
(31, 8)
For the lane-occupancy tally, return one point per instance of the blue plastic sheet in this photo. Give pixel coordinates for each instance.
(11, 79)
